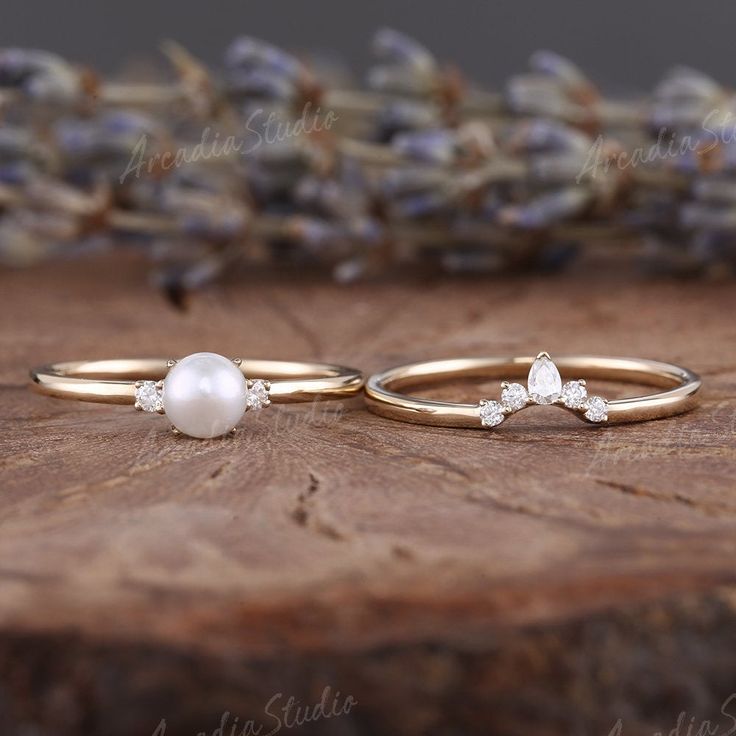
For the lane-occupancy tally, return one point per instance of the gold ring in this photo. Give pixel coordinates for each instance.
(204, 394)
(544, 387)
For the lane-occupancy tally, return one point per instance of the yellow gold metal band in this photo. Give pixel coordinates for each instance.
(114, 381)
(384, 397)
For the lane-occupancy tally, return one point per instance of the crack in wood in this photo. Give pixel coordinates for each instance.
(306, 512)
(711, 509)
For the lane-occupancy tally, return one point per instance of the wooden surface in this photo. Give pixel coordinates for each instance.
(549, 576)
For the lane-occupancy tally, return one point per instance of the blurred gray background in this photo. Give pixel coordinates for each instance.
(624, 45)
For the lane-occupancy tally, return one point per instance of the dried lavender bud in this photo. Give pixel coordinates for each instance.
(560, 168)
(274, 171)
(223, 225)
(421, 204)
(727, 152)
(355, 269)
(16, 173)
(714, 189)
(406, 66)
(709, 217)
(685, 84)
(20, 245)
(367, 231)
(547, 209)
(538, 136)
(115, 142)
(393, 80)
(547, 62)
(712, 248)
(181, 276)
(261, 83)
(537, 95)
(51, 194)
(683, 115)
(397, 182)
(250, 53)
(431, 146)
(315, 234)
(399, 49)
(319, 195)
(475, 141)
(205, 216)
(20, 144)
(40, 76)
(403, 116)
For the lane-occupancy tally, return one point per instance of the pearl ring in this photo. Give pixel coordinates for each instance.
(203, 395)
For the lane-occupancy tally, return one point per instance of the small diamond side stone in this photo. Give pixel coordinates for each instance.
(574, 394)
(491, 413)
(258, 396)
(514, 397)
(596, 409)
(149, 397)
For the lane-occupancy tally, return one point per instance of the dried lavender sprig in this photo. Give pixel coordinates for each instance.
(420, 163)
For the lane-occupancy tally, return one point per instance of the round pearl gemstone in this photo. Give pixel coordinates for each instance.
(205, 395)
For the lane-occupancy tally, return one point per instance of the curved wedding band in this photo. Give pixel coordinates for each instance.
(204, 394)
(544, 386)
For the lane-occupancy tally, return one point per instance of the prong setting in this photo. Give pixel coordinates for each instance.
(149, 396)
(514, 396)
(253, 395)
(258, 396)
(491, 413)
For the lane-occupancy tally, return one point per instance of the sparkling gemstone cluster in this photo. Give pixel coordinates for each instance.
(544, 387)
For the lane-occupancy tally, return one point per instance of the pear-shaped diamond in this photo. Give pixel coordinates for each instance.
(545, 384)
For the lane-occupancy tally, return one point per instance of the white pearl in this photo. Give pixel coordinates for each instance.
(205, 395)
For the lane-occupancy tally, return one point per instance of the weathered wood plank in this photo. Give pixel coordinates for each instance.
(329, 533)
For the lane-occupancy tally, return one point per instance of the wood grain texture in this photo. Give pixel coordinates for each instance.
(453, 581)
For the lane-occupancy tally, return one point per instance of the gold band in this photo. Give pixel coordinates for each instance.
(114, 381)
(384, 398)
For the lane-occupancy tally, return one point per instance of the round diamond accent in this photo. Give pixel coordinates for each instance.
(149, 397)
(574, 394)
(514, 397)
(258, 395)
(491, 413)
(596, 409)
